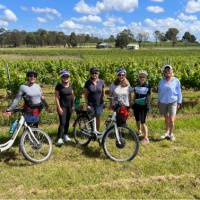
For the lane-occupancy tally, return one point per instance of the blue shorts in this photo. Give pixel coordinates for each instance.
(97, 109)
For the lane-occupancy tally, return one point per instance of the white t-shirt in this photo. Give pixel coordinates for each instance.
(120, 93)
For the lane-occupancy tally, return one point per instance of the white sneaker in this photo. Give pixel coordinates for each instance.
(172, 137)
(60, 141)
(165, 136)
(67, 138)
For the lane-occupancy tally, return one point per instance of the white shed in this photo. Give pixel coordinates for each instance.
(133, 46)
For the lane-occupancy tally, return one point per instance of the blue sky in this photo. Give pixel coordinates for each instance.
(101, 17)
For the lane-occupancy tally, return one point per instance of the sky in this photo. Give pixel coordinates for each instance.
(102, 18)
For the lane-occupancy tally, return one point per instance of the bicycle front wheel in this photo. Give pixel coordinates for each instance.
(37, 148)
(123, 150)
(82, 131)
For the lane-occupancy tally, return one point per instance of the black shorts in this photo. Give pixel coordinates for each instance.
(140, 113)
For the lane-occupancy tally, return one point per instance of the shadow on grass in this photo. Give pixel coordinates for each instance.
(11, 158)
(154, 139)
(92, 152)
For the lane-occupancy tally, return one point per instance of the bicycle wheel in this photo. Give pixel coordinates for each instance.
(36, 151)
(82, 131)
(124, 150)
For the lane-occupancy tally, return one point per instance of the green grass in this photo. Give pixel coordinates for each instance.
(162, 169)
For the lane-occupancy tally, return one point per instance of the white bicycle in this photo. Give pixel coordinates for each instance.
(35, 144)
(119, 143)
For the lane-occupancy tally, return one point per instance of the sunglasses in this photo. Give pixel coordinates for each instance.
(65, 76)
(94, 73)
(32, 75)
(142, 77)
(121, 75)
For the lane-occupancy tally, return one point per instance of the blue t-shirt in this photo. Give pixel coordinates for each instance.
(95, 92)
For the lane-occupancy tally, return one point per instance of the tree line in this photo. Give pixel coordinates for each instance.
(41, 37)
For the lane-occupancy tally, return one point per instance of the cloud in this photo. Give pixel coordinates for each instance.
(112, 21)
(42, 20)
(184, 17)
(155, 9)
(2, 7)
(89, 18)
(9, 16)
(3, 23)
(192, 6)
(69, 24)
(157, 0)
(23, 8)
(46, 11)
(106, 5)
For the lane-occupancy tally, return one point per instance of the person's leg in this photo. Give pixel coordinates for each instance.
(167, 123)
(137, 119)
(62, 120)
(98, 111)
(68, 116)
(172, 117)
(171, 124)
(143, 121)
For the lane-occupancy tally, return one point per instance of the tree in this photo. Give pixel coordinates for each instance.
(171, 35)
(31, 39)
(157, 36)
(123, 38)
(193, 39)
(142, 37)
(73, 39)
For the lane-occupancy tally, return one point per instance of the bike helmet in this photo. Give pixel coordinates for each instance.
(143, 72)
(31, 72)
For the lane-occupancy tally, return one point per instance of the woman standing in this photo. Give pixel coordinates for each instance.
(120, 90)
(33, 97)
(94, 93)
(142, 92)
(64, 98)
(169, 99)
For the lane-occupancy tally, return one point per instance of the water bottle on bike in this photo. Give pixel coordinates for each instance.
(13, 127)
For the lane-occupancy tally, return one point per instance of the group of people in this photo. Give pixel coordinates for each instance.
(122, 95)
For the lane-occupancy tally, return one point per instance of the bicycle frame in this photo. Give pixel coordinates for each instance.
(10, 142)
(99, 135)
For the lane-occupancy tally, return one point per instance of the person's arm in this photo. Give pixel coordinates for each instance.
(86, 93)
(44, 102)
(149, 98)
(130, 95)
(159, 93)
(57, 100)
(179, 94)
(73, 100)
(111, 94)
(16, 100)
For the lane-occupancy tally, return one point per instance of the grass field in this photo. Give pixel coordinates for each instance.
(161, 170)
